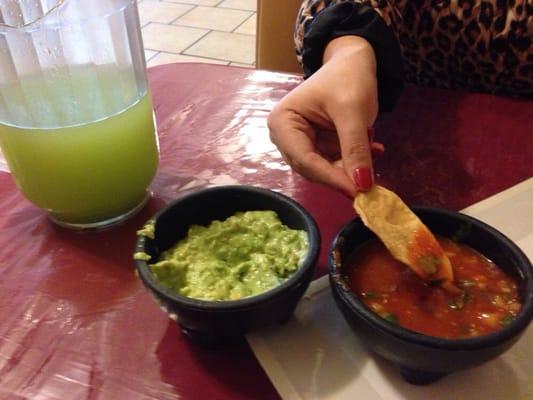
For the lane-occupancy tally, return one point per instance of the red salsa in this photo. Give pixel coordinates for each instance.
(488, 299)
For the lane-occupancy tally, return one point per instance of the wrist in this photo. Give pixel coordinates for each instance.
(352, 47)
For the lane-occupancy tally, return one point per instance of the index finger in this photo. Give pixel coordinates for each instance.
(356, 151)
(295, 138)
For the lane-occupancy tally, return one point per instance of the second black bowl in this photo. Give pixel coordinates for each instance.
(423, 359)
(212, 321)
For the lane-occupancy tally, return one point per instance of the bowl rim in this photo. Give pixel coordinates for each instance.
(514, 328)
(307, 264)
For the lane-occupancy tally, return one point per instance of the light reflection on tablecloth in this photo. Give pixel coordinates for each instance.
(3, 164)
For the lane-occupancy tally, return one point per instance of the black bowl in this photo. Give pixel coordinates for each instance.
(210, 322)
(423, 359)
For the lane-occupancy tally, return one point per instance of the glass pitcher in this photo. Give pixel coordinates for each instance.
(76, 120)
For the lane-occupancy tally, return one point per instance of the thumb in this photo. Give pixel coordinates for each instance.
(356, 153)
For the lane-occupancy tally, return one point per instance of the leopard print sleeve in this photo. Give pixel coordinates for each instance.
(481, 46)
(476, 45)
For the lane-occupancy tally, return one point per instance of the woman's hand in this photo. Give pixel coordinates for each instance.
(321, 127)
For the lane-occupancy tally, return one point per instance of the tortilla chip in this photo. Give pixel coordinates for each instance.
(404, 235)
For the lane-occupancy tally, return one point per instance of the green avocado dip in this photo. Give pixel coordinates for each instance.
(147, 230)
(245, 255)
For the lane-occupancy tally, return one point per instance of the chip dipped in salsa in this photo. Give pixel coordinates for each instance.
(488, 299)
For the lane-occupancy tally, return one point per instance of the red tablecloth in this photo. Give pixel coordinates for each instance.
(75, 323)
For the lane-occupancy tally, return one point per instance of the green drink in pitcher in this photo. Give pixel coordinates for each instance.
(76, 119)
(88, 173)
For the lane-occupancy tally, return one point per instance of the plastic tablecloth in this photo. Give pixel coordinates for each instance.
(75, 322)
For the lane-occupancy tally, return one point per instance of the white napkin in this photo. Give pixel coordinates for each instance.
(316, 356)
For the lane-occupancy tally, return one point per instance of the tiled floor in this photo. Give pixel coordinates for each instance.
(212, 31)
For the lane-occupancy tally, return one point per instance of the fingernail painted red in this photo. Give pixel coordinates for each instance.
(363, 178)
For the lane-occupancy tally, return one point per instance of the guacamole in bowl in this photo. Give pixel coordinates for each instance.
(245, 255)
(226, 260)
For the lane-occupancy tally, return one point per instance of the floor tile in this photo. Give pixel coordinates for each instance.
(218, 19)
(211, 3)
(166, 58)
(160, 11)
(248, 27)
(250, 5)
(234, 47)
(182, 31)
(170, 38)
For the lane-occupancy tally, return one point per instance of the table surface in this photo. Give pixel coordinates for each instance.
(77, 324)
